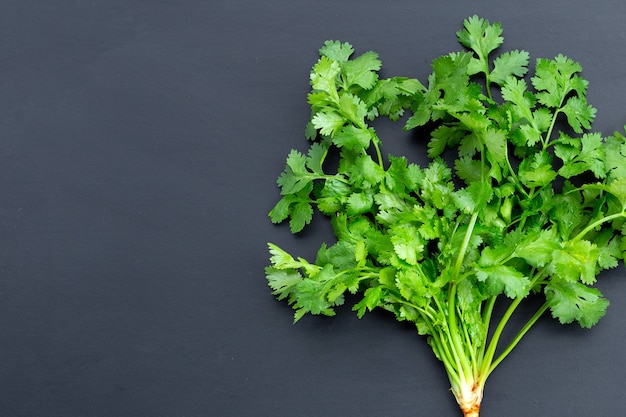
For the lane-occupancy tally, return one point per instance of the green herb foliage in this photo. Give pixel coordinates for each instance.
(518, 198)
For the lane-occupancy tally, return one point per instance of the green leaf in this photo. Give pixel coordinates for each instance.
(367, 172)
(536, 248)
(359, 203)
(452, 78)
(496, 142)
(280, 212)
(443, 137)
(281, 259)
(567, 213)
(530, 134)
(311, 298)
(301, 215)
(341, 255)
(576, 260)
(328, 121)
(555, 79)
(537, 171)
(609, 252)
(291, 183)
(361, 71)
(352, 108)
(468, 169)
(353, 138)
(573, 301)
(337, 51)
(282, 282)
(315, 158)
(407, 243)
(324, 75)
(616, 188)
(504, 279)
(615, 155)
(412, 285)
(579, 114)
(580, 155)
(509, 64)
(516, 91)
(310, 132)
(474, 197)
(480, 36)
(371, 299)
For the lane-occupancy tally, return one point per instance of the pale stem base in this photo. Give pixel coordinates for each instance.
(469, 396)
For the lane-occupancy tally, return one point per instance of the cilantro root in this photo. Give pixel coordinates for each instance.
(526, 201)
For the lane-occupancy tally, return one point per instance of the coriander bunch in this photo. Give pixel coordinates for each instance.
(518, 198)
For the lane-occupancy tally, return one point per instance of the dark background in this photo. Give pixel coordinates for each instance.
(140, 143)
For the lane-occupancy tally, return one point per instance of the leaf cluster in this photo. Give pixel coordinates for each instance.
(519, 197)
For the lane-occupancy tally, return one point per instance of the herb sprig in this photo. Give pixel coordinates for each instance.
(518, 198)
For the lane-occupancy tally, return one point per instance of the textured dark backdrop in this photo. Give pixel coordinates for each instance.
(140, 143)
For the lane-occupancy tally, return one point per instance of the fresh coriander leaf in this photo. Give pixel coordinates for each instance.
(516, 91)
(495, 142)
(444, 136)
(283, 282)
(509, 64)
(352, 108)
(371, 299)
(504, 279)
(324, 75)
(555, 79)
(359, 203)
(615, 155)
(412, 286)
(580, 155)
(480, 36)
(576, 260)
(337, 51)
(567, 214)
(280, 211)
(353, 138)
(468, 169)
(315, 158)
(367, 173)
(536, 248)
(328, 122)
(407, 243)
(362, 71)
(572, 301)
(291, 183)
(609, 252)
(537, 171)
(474, 197)
(301, 214)
(579, 114)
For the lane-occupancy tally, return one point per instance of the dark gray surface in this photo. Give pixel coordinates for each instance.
(140, 145)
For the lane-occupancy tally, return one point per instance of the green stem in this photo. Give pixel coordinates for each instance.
(379, 155)
(518, 337)
(486, 315)
(471, 350)
(487, 77)
(454, 332)
(493, 343)
(598, 223)
(488, 363)
(546, 141)
(468, 235)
